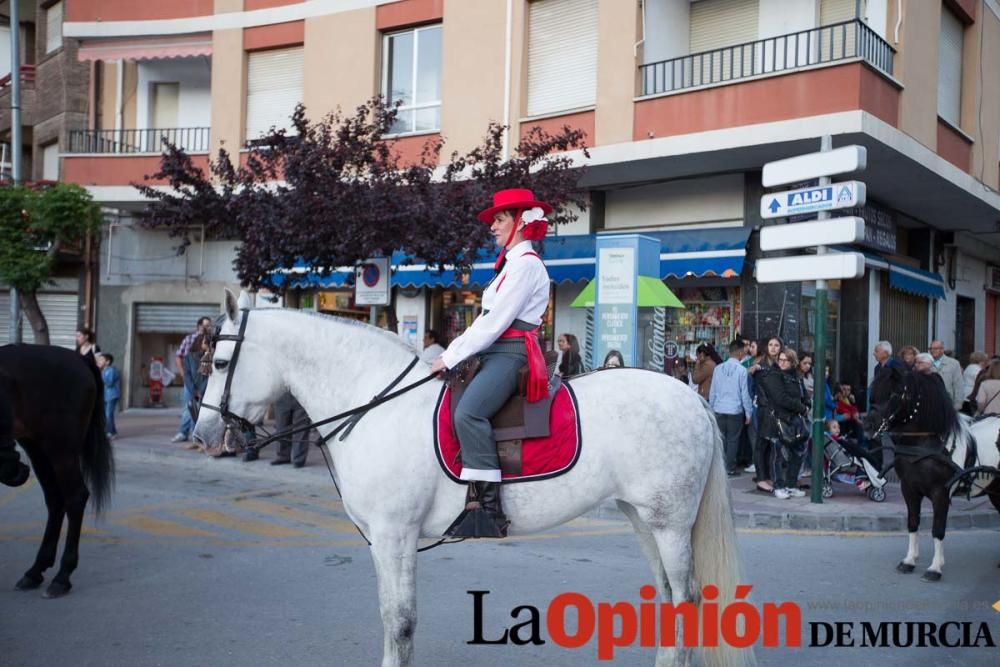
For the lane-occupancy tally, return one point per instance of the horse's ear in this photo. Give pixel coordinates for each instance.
(244, 302)
(232, 310)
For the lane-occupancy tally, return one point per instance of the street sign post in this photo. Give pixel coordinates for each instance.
(822, 266)
(815, 165)
(834, 231)
(812, 200)
(371, 286)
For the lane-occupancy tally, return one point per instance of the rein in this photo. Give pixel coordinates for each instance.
(240, 423)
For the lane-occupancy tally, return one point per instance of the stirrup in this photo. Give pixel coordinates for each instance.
(478, 523)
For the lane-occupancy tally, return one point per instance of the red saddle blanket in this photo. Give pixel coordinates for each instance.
(541, 458)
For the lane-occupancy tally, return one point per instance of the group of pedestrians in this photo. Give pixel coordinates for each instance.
(86, 346)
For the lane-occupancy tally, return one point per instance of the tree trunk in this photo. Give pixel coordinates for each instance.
(29, 303)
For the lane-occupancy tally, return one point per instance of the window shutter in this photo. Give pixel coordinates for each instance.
(171, 317)
(836, 11)
(950, 67)
(274, 87)
(61, 312)
(50, 162)
(562, 55)
(718, 23)
(53, 27)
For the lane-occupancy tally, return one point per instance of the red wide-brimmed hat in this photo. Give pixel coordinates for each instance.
(516, 198)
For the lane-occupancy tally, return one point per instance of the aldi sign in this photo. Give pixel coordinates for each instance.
(812, 200)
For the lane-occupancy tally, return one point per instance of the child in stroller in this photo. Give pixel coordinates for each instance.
(843, 454)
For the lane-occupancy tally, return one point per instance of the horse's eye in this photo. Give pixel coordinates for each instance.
(221, 364)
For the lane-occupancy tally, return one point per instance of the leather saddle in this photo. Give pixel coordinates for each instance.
(518, 419)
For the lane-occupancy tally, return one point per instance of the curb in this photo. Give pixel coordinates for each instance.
(316, 474)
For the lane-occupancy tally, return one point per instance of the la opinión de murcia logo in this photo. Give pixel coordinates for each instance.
(739, 624)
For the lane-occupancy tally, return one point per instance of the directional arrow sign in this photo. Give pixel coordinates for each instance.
(814, 165)
(817, 232)
(810, 200)
(829, 266)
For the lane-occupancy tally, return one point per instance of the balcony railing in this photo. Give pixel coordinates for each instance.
(826, 44)
(27, 76)
(191, 139)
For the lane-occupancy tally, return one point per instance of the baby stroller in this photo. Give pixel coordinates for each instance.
(846, 454)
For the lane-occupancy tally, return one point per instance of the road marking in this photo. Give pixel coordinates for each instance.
(231, 522)
(298, 515)
(162, 527)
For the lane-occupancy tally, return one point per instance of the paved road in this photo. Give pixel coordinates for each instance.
(204, 562)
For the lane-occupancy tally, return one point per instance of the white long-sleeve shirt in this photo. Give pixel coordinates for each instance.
(520, 292)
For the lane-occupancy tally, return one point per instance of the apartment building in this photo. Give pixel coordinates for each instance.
(54, 102)
(683, 102)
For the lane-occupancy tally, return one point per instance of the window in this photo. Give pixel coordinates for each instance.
(411, 75)
(50, 162)
(950, 67)
(274, 88)
(53, 27)
(562, 55)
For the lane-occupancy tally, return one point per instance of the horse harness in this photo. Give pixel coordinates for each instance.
(911, 454)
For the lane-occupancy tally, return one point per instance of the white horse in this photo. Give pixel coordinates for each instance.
(648, 441)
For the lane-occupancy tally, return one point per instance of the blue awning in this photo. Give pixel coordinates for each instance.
(687, 253)
(908, 279)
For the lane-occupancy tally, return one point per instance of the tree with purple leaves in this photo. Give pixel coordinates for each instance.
(333, 192)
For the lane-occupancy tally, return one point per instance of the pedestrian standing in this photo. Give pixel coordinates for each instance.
(764, 445)
(806, 373)
(988, 396)
(785, 405)
(86, 345)
(704, 367)
(729, 398)
(195, 381)
(294, 449)
(570, 363)
(432, 346)
(978, 362)
(187, 419)
(112, 391)
(950, 371)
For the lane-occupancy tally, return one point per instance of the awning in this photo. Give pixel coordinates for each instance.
(651, 293)
(181, 46)
(909, 279)
(687, 253)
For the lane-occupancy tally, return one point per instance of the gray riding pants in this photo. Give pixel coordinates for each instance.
(495, 382)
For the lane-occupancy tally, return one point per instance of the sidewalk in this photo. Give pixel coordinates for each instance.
(144, 436)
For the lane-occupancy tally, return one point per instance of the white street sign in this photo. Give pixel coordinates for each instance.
(371, 285)
(815, 165)
(829, 266)
(811, 200)
(813, 233)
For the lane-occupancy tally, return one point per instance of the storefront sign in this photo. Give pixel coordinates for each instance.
(880, 227)
(617, 277)
(372, 283)
(658, 340)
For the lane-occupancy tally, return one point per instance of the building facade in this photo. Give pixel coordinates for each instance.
(683, 101)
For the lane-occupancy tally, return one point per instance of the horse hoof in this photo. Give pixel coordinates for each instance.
(57, 589)
(905, 568)
(28, 583)
(931, 576)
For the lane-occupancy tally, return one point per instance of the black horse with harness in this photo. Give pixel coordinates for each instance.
(912, 418)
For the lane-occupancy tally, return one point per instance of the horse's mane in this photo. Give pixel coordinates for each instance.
(936, 413)
(388, 336)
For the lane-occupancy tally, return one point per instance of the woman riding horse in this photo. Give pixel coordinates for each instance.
(504, 336)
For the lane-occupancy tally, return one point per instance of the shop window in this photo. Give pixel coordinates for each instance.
(711, 315)
(411, 77)
(341, 303)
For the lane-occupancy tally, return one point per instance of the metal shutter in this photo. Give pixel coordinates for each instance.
(274, 87)
(950, 67)
(836, 11)
(718, 23)
(61, 312)
(562, 55)
(171, 317)
(902, 317)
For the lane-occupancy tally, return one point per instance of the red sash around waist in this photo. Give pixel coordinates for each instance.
(538, 382)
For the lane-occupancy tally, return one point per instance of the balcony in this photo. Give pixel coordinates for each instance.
(27, 77)
(823, 46)
(139, 141)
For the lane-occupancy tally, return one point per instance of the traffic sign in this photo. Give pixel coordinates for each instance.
(814, 165)
(828, 266)
(371, 285)
(810, 200)
(813, 233)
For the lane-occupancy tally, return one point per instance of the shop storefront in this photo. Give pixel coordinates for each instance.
(711, 315)
(453, 310)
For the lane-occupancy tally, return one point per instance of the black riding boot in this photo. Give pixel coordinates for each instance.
(12, 471)
(482, 516)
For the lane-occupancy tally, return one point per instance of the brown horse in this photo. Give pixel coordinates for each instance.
(54, 401)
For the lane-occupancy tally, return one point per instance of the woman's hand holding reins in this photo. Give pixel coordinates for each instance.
(438, 366)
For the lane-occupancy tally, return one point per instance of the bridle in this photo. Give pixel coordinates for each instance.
(352, 416)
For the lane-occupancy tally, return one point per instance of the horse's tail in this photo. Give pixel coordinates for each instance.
(714, 553)
(98, 461)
